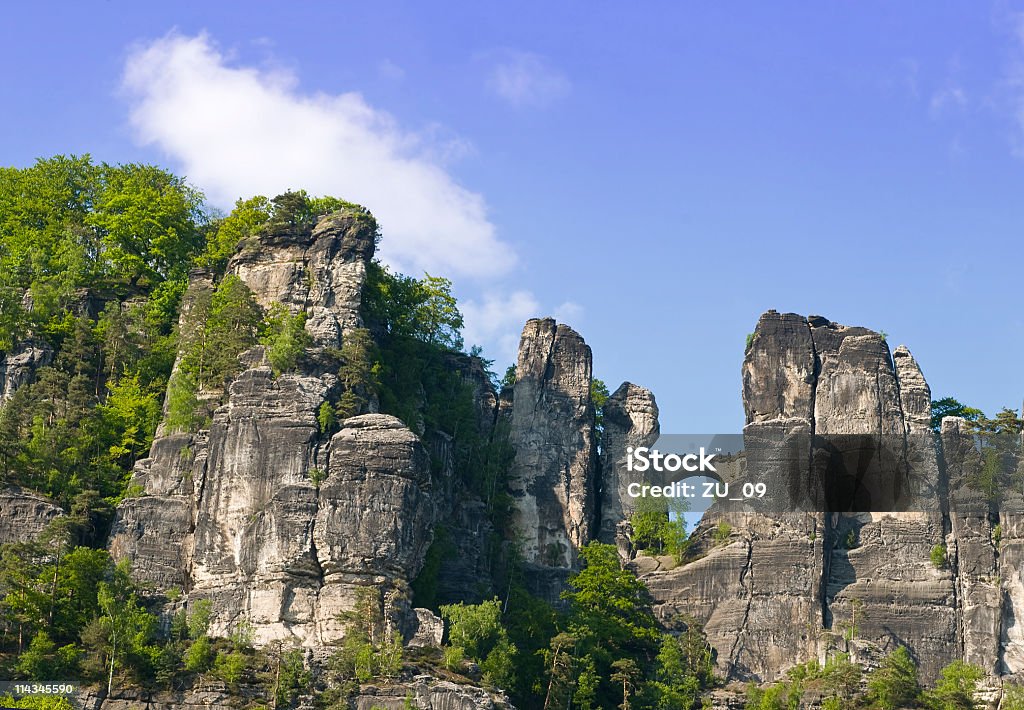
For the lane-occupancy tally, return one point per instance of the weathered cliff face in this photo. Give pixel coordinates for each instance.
(552, 479)
(320, 273)
(18, 367)
(786, 587)
(262, 514)
(630, 420)
(423, 693)
(23, 515)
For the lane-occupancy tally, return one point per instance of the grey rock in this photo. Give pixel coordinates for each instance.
(552, 431)
(428, 631)
(783, 587)
(630, 420)
(24, 515)
(375, 517)
(319, 272)
(19, 366)
(428, 693)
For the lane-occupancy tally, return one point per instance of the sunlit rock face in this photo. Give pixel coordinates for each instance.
(319, 272)
(263, 514)
(552, 430)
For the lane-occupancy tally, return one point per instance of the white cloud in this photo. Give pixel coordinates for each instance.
(525, 79)
(569, 313)
(389, 70)
(951, 97)
(496, 321)
(239, 131)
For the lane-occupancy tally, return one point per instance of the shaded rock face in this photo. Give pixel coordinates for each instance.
(23, 515)
(320, 273)
(788, 587)
(630, 420)
(552, 480)
(19, 366)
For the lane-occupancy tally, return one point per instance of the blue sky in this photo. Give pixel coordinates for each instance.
(657, 178)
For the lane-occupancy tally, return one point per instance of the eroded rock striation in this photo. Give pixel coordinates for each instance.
(784, 587)
(24, 515)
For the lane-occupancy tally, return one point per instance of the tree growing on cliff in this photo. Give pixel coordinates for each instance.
(950, 407)
(478, 631)
(894, 684)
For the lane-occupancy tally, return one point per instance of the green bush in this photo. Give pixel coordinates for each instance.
(956, 688)
(938, 556)
(894, 683)
(231, 667)
(286, 339)
(722, 531)
(200, 656)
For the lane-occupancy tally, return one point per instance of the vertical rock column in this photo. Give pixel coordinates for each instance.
(630, 420)
(552, 430)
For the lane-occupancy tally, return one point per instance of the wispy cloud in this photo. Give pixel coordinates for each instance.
(1015, 83)
(240, 130)
(525, 79)
(496, 321)
(950, 97)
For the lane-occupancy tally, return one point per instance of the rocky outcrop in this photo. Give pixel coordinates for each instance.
(552, 431)
(252, 550)
(19, 366)
(275, 523)
(839, 431)
(630, 420)
(423, 692)
(319, 272)
(24, 515)
(430, 693)
(374, 520)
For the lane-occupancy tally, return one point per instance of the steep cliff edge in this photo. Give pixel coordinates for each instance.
(272, 520)
(552, 480)
(784, 587)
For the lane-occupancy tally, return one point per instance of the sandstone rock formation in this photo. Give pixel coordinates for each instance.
(23, 514)
(630, 420)
(274, 523)
(552, 479)
(18, 367)
(790, 586)
(320, 273)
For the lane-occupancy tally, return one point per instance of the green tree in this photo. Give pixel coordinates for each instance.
(246, 220)
(956, 687)
(478, 631)
(404, 306)
(148, 220)
(286, 338)
(683, 670)
(44, 661)
(950, 407)
(127, 626)
(200, 656)
(611, 620)
(894, 683)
